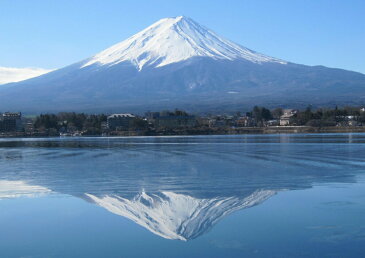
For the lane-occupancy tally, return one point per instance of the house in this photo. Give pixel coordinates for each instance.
(168, 119)
(245, 121)
(11, 122)
(217, 122)
(352, 120)
(273, 122)
(29, 126)
(120, 122)
(286, 118)
(104, 126)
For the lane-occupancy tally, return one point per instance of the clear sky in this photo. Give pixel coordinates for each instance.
(52, 34)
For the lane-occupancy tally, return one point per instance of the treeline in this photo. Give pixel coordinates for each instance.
(310, 117)
(92, 124)
(261, 114)
(68, 122)
(329, 117)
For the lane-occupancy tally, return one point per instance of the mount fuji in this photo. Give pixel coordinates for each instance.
(177, 63)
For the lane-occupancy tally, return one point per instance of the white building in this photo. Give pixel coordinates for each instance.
(120, 121)
(287, 116)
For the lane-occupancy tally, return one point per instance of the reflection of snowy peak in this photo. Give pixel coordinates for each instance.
(16, 189)
(177, 216)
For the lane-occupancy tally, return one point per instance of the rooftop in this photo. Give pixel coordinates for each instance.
(121, 115)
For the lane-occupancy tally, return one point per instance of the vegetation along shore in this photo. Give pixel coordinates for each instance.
(259, 120)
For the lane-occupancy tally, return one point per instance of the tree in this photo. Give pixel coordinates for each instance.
(261, 114)
(266, 114)
(139, 123)
(277, 113)
(46, 121)
(256, 113)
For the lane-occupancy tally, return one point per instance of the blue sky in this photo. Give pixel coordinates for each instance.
(52, 34)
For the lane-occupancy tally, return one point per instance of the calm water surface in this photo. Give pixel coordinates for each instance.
(209, 196)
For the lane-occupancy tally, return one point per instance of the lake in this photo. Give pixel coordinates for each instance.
(288, 195)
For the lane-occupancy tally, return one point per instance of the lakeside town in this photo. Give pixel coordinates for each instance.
(178, 122)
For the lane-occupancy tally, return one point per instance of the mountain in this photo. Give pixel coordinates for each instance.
(177, 216)
(9, 74)
(177, 63)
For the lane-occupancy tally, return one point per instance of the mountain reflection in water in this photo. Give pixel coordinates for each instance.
(177, 187)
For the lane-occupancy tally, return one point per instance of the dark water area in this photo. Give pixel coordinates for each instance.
(288, 195)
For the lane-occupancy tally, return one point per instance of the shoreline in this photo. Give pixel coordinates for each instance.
(210, 131)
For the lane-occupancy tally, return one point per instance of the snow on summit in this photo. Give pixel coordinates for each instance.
(172, 40)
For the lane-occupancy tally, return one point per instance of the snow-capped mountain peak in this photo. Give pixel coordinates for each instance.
(171, 40)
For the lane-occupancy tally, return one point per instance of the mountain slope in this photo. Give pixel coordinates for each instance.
(176, 63)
